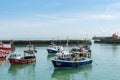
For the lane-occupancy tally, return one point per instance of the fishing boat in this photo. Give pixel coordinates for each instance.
(85, 48)
(18, 58)
(54, 49)
(8, 47)
(3, 54)
(80, 49)
(71, 60)
(31, 49)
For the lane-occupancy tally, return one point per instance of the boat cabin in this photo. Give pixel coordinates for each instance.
(73, 56)
(15, 56)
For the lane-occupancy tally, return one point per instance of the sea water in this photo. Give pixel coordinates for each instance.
(105, 66)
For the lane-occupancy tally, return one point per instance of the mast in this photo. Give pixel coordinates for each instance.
(67, 42)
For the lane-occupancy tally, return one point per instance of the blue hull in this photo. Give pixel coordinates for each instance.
(51, 51)
(70, 63)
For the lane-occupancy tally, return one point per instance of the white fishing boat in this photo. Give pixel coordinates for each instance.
(31, 49)
(54, 49)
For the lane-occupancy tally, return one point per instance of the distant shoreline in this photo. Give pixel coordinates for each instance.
(46, 42)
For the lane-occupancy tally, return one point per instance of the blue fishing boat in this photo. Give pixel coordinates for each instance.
(54, 49)
(71, 60)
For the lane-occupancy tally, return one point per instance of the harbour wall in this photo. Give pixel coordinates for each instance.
(46, 42)
(107, 40)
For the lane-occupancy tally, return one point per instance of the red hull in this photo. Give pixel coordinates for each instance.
(4, 55)
(22, 61)
(3, 48)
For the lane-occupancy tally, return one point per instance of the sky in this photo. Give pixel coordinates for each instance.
(58, 19)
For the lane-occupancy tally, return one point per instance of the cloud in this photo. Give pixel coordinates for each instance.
(73, 25)
(115, 5)
(103, 16)
(52, 20)
(76, 18)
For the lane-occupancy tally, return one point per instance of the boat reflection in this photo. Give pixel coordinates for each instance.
(68, 74)
(3, 61)
(19, 69)
(51, 55)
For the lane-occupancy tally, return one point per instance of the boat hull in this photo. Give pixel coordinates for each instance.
(60, 63)
(3, 56)
(52, 51)
(30, 51)
(21, 61)
(3, 48)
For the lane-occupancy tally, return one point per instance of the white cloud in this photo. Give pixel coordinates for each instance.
(54, 20)
(40, 25)
(115, 5)
(103, 16)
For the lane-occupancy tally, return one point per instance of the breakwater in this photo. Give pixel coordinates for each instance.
(46, 42)
(107, 40)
